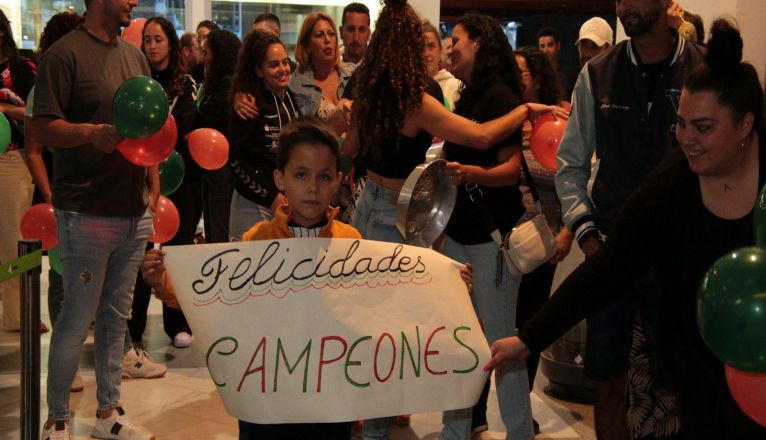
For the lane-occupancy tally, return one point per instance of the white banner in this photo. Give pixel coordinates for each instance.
(330, 330)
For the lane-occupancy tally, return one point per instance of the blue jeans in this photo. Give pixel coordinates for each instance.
(244, 214)
(375, 214)
(495, 292)
(375, 218)
(100, 257)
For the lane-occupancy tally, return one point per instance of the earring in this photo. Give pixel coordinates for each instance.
(742, 145)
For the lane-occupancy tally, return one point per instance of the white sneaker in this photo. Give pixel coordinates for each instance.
(182, 340)
(59, 430)
(77, 384)
(118, 426)
(136, 363)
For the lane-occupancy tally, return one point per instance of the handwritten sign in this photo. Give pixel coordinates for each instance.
(329, 330)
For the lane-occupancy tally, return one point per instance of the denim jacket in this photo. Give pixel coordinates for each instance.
(308, 95)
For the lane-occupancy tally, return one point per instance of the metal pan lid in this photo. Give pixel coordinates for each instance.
(426, 201)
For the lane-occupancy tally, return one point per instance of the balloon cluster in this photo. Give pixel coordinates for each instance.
(731, 315)
(141, 115)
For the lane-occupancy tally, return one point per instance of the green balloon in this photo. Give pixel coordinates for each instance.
(5, 133)
(172, 172)
(759, 218)
(731, 309)
(54, 259)
(139, 108)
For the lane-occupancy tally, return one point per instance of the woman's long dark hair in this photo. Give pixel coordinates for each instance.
(541, 70)
(175, 87)
(251, 56)
(8, 45)
(58, 26)
(494, 60)
(392, 79)
(223, 45)
(734, 83)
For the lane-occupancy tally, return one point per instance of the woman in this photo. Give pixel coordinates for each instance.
(220, 58)
(263, 70)
(483, 60)
(162, 48)
(394, 120)
(706, 191)
(449, 84)
(321, 75)
(16, 187)
(539, 84)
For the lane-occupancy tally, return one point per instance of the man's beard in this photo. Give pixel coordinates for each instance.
(641, 25)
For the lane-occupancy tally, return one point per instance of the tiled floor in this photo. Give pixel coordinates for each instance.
(185, 404)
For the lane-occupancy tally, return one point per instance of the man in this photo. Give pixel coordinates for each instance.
(595, 37)
(355, 32)
(103, 207)
(624, 110)
(268, 23)
(190, 56)
(548, 41)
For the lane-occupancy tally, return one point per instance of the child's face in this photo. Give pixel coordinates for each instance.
(309, 181)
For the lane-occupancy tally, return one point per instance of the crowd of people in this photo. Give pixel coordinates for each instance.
(657, 124)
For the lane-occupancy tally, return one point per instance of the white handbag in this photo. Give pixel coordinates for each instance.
(529, 245)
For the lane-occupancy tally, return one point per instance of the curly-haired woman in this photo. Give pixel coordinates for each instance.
(263, 71)
(394, 120)
(483, 60)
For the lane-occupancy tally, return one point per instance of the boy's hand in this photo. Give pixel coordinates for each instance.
(168, 298)
(466, 274)
(153, 268)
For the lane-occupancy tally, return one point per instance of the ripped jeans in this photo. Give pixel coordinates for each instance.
(100, 257)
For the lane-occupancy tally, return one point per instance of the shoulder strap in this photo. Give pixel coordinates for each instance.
(531, 184)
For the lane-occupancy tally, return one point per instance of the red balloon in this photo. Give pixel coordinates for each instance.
(134, 33)
(153, 149)
(545, 139)
(749, 391)
(209, 148)
(39, 223)
(166, 221)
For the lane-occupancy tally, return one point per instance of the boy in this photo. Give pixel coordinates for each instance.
(307, 171)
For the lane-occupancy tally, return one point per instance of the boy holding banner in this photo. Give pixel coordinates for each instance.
(307, 165)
